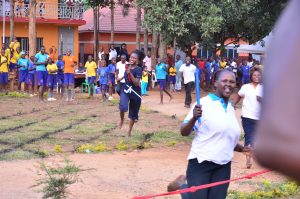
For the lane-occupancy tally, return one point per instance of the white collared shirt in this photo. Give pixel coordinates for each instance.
(121, 68)
(188, 73)
(251, 107)
(218, 133)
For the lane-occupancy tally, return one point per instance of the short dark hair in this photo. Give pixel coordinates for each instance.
(253, 71)
(219, 73)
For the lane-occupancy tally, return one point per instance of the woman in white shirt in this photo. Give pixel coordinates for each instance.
(252, 96)
(216, 138)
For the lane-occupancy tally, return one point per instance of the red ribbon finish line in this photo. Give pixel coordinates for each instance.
(205, 186)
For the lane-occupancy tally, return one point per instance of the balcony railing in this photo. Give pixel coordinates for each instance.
(47, 10)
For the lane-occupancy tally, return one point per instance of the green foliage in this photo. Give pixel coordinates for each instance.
(56, 180)
(57, 148)
(88, 148)
(268, 190)
(85, 148)
(15, 95)
(171, 143)
(122, 146)
(211, 22)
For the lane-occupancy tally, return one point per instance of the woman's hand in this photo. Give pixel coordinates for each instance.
(248, 151)
(197, 112)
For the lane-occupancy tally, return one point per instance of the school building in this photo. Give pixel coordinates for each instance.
(56, 24)
(125, 31)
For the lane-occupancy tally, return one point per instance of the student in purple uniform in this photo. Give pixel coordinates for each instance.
(31, 74)
(60, 76)
(112, 77)
(52, 78)
(130, 96)
(103, 73)
(41, 71)
(23, 64)
(246, 72)
(3, 71)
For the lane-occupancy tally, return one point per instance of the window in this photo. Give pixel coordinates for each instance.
(24, 42)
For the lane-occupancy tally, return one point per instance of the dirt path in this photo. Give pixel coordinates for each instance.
(117, 175)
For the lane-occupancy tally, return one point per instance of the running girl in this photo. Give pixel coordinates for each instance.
(130, 97)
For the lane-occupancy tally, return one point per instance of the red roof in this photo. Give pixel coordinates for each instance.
(123, 24)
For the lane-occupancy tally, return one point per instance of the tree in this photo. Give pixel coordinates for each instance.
(112, 20)
(32, 27)
(12, 19)
(95, 5)
(96, 30)
(211, 22)
(138, 26)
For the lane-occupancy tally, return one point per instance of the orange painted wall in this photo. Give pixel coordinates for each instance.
(49, 33)
(88, 39)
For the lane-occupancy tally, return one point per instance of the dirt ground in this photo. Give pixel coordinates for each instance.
(27, 128)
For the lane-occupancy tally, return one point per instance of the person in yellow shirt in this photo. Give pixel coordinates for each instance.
(172, 78)
(52, 78)
(16, 54)
(14, 44)
(7, 55)
(223, 63)
(69, 69)
(91, 68)
(144, 83)
(3, 72)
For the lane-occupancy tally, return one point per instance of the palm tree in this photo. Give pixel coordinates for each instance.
(32, 27)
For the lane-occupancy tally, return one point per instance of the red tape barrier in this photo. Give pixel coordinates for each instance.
(196, 188)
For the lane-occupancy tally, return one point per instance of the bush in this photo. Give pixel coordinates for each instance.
(56, 180)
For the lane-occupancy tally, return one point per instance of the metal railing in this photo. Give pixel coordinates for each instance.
(47, 10)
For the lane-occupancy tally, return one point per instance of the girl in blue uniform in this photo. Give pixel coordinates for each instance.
(130, 97)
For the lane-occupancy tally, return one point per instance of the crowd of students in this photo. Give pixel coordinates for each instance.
(41, 69)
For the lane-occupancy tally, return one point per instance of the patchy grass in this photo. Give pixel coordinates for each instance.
(14, 95)
(18, 154)
(268, 190)
(29, 129)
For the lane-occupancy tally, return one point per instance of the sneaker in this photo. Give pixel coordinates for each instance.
(53, 99)
(30, 95)
(187, 106)
(49, 99)
(177, 183)
(110, 98)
